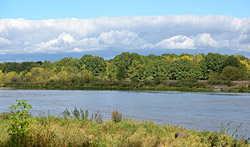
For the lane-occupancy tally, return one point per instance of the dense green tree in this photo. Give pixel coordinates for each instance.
(94, 64)
(231, 61)
(157, 68)
(121, 73)
(184, 69)
(124, 61)
(233, 73)
(135, 71)
(69, 64)
(212, 62)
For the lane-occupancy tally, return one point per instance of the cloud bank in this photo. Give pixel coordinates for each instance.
(125, 34)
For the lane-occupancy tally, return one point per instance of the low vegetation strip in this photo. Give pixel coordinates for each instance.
(79, 128)
(166, 85)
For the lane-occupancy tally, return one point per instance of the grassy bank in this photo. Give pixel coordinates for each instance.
(170, 85)
(78, 129)
(155, 88)
(146, 88)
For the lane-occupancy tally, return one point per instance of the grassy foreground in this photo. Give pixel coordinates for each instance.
(80, 131)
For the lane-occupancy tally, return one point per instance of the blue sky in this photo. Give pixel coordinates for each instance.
(46, 30)
(84, 9)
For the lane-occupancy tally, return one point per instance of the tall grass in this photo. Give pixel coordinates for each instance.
(57, 131)
(78, 128)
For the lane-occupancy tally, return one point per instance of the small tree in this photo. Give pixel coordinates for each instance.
(21, 121)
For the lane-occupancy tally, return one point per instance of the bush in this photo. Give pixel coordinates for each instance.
(188, 83)
(233, 73)
(148, 82)
(116, 116)
(22, 122)
(220, 82)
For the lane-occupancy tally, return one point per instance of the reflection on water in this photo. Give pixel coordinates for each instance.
(202, 111)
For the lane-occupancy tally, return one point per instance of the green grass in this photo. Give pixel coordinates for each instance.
(56, 131)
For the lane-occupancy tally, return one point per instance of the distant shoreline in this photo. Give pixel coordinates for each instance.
(210, 88)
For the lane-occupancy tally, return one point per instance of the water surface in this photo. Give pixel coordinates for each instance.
(202, 111)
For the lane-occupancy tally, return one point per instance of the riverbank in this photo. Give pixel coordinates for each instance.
(209, 88)
(73, 130)
(158, 88)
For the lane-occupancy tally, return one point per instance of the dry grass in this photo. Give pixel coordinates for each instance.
(55, 131)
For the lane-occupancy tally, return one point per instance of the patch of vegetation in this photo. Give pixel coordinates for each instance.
(191, 83)
(116, 116)
(21, 123)
(220, 82)
(126, 70)
(76, 128)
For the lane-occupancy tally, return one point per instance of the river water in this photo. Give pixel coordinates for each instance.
(193, 110)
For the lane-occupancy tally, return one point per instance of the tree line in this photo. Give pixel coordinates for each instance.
(130, 67)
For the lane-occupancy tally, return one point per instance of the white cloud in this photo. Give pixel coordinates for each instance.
(177, 42)
(124, 33)
(205, 40)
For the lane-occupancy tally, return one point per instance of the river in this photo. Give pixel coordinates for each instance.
(193, 110)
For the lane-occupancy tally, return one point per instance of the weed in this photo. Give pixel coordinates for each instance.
(84, 115)
(76, 113)
(96, 117)
(116, 116)
(66, 114)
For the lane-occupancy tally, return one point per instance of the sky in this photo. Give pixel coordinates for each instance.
(52, 29)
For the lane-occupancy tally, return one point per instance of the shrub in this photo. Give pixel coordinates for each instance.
(233, 73)
(147, 82)
(22, 122)
(220, 82)
(187, 83)
(116, 116)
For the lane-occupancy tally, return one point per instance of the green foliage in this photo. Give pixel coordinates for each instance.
(21, 121)
(121, 73)
(125, 70)
(220, 82)
(61, 132)
(94, 64)
(5, 115)
(82, 115)
(233, 73)
(231, 61)
(56, 131)
(76, 113)
(66, 114)
(18, 67)
(184, 69)
(191, 83)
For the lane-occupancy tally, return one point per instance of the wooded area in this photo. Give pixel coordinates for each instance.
(130, 67)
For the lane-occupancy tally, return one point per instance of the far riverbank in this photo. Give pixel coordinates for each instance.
(169, 85)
